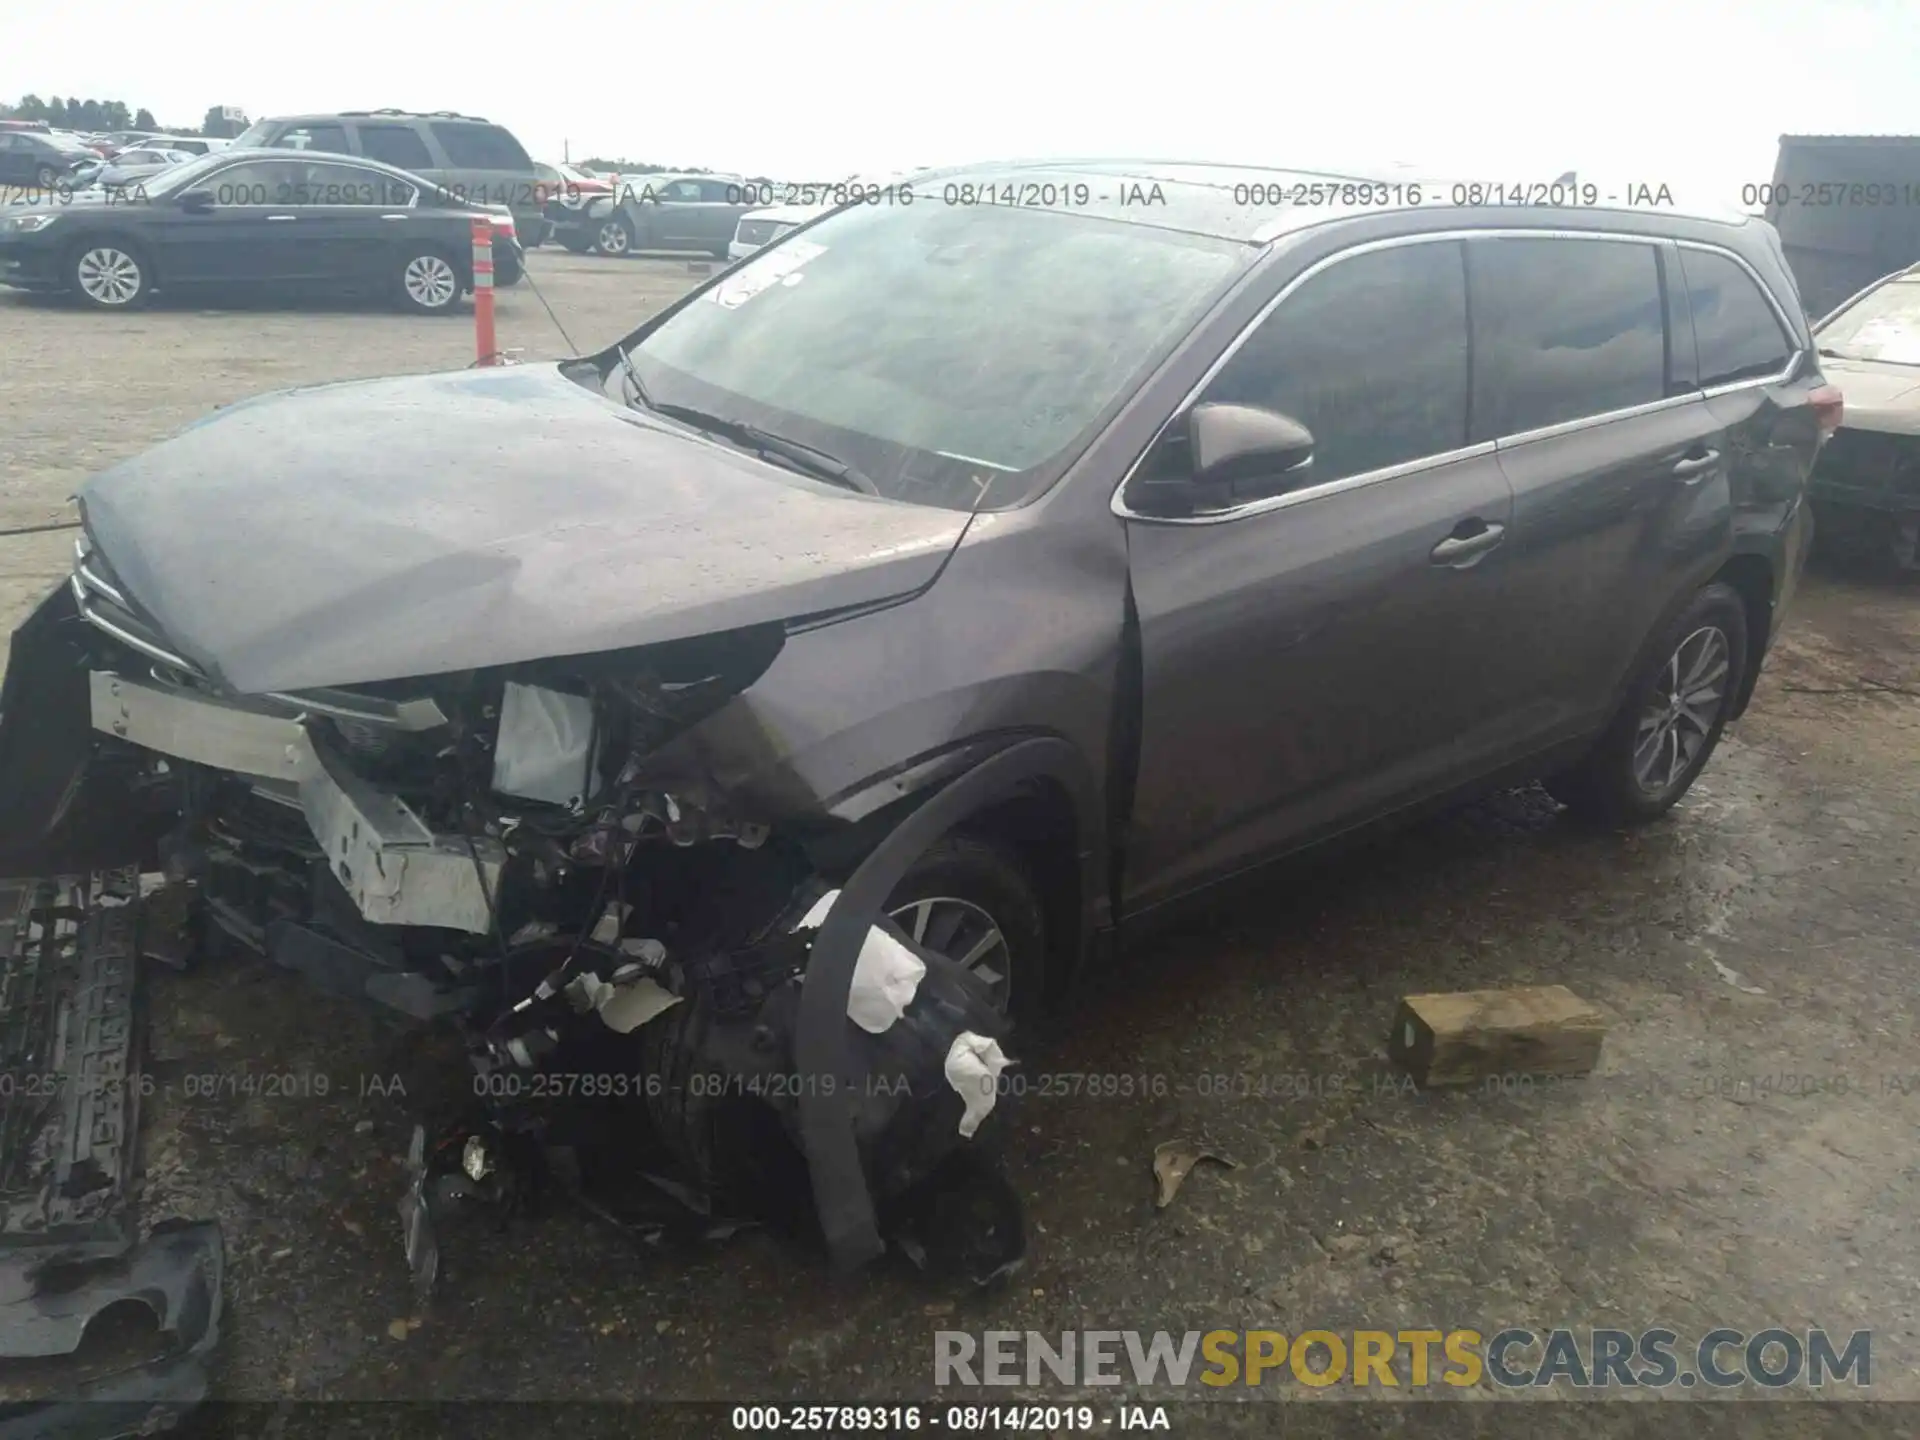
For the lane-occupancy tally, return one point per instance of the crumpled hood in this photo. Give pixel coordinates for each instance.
(381, 529)
(1879, 394)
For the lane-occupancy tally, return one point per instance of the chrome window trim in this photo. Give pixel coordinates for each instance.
(1795, 353)
(1590, 422)
(1117, 502)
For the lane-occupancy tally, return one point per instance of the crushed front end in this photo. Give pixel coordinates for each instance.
(489, 851)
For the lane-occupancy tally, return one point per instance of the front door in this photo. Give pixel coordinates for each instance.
(247, 235)
(1312, 658)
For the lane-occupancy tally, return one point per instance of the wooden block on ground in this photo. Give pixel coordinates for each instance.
(1469, 1035)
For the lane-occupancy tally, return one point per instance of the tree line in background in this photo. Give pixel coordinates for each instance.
(109, 115)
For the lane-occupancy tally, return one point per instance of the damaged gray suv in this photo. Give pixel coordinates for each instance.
(773, 711)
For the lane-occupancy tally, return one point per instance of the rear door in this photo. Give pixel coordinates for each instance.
(1314, 657)
(722, 204)
(1585, 382)
(352, 220)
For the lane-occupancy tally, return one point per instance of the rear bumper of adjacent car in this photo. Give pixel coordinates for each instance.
(1868, 470)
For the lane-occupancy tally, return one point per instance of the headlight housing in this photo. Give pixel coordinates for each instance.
(28, 224)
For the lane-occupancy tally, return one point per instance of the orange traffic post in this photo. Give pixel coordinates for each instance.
(483, 292)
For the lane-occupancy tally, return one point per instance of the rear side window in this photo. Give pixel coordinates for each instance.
(395, 145)
(1562, 330)
(480, 147)
(1736, 329)
(1370, 355)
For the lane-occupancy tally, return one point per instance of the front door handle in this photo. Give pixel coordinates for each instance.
(1464, 550)
(1696, 465)
(283, 217)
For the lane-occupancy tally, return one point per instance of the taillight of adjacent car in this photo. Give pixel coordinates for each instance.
(1829, 408)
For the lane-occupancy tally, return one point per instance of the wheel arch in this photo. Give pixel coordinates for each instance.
(994, 791)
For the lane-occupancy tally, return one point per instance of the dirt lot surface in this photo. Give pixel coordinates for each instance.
(1746, 1156)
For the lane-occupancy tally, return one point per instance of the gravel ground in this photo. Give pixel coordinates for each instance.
(1745, 1157)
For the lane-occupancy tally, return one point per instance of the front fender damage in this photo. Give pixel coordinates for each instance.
(660, 993)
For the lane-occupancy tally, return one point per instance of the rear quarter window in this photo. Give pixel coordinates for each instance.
(1737, 331)
(395, 145)
(480, 147)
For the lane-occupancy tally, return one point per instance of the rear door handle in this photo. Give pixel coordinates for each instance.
(1463, 550)
(1696, 465)
(283, 217)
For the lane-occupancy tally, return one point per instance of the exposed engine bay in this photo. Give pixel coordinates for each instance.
(489, 852)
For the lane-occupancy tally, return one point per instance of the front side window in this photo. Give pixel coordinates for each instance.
(1564, 330)
(1737, 332)
(955, 354)
(1883, 324)
(1370, 355)
(254, 182)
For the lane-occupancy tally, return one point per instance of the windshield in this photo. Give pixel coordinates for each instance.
(1883, 325)
(944, 351)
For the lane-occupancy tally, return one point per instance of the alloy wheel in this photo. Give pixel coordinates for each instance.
(965, 934)
(1688, 697)
(109, 276)
(430, 281)
(612, 239)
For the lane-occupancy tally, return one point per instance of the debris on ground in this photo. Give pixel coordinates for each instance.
(1174, 1160)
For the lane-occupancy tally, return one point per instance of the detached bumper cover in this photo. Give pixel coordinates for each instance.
(69, 1112)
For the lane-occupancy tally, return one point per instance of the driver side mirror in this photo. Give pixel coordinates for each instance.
(197, 202)
(1225, 454)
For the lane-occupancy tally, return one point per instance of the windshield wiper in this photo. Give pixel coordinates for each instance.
(764, 443)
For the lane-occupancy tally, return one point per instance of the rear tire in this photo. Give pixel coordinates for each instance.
(427, 282)
(575, 243)
(108, 274)
(1667, 729)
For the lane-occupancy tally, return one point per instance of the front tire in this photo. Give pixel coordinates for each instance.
(616, 237)
(109, 275)
(427, 283)
(46, 177)
(971, 901)
(1664, 734)
(574, 243)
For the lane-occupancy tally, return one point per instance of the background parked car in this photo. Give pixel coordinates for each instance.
(1866, 488)
(133, 166)
(661, 212)
(40, 158)
(473, 158)
(192, 144)
(259, 219)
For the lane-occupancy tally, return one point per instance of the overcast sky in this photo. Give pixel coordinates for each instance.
(1692, 93)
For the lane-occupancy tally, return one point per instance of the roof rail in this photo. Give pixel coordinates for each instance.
(417, 114)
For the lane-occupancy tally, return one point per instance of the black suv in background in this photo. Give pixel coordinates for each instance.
(470, 157)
